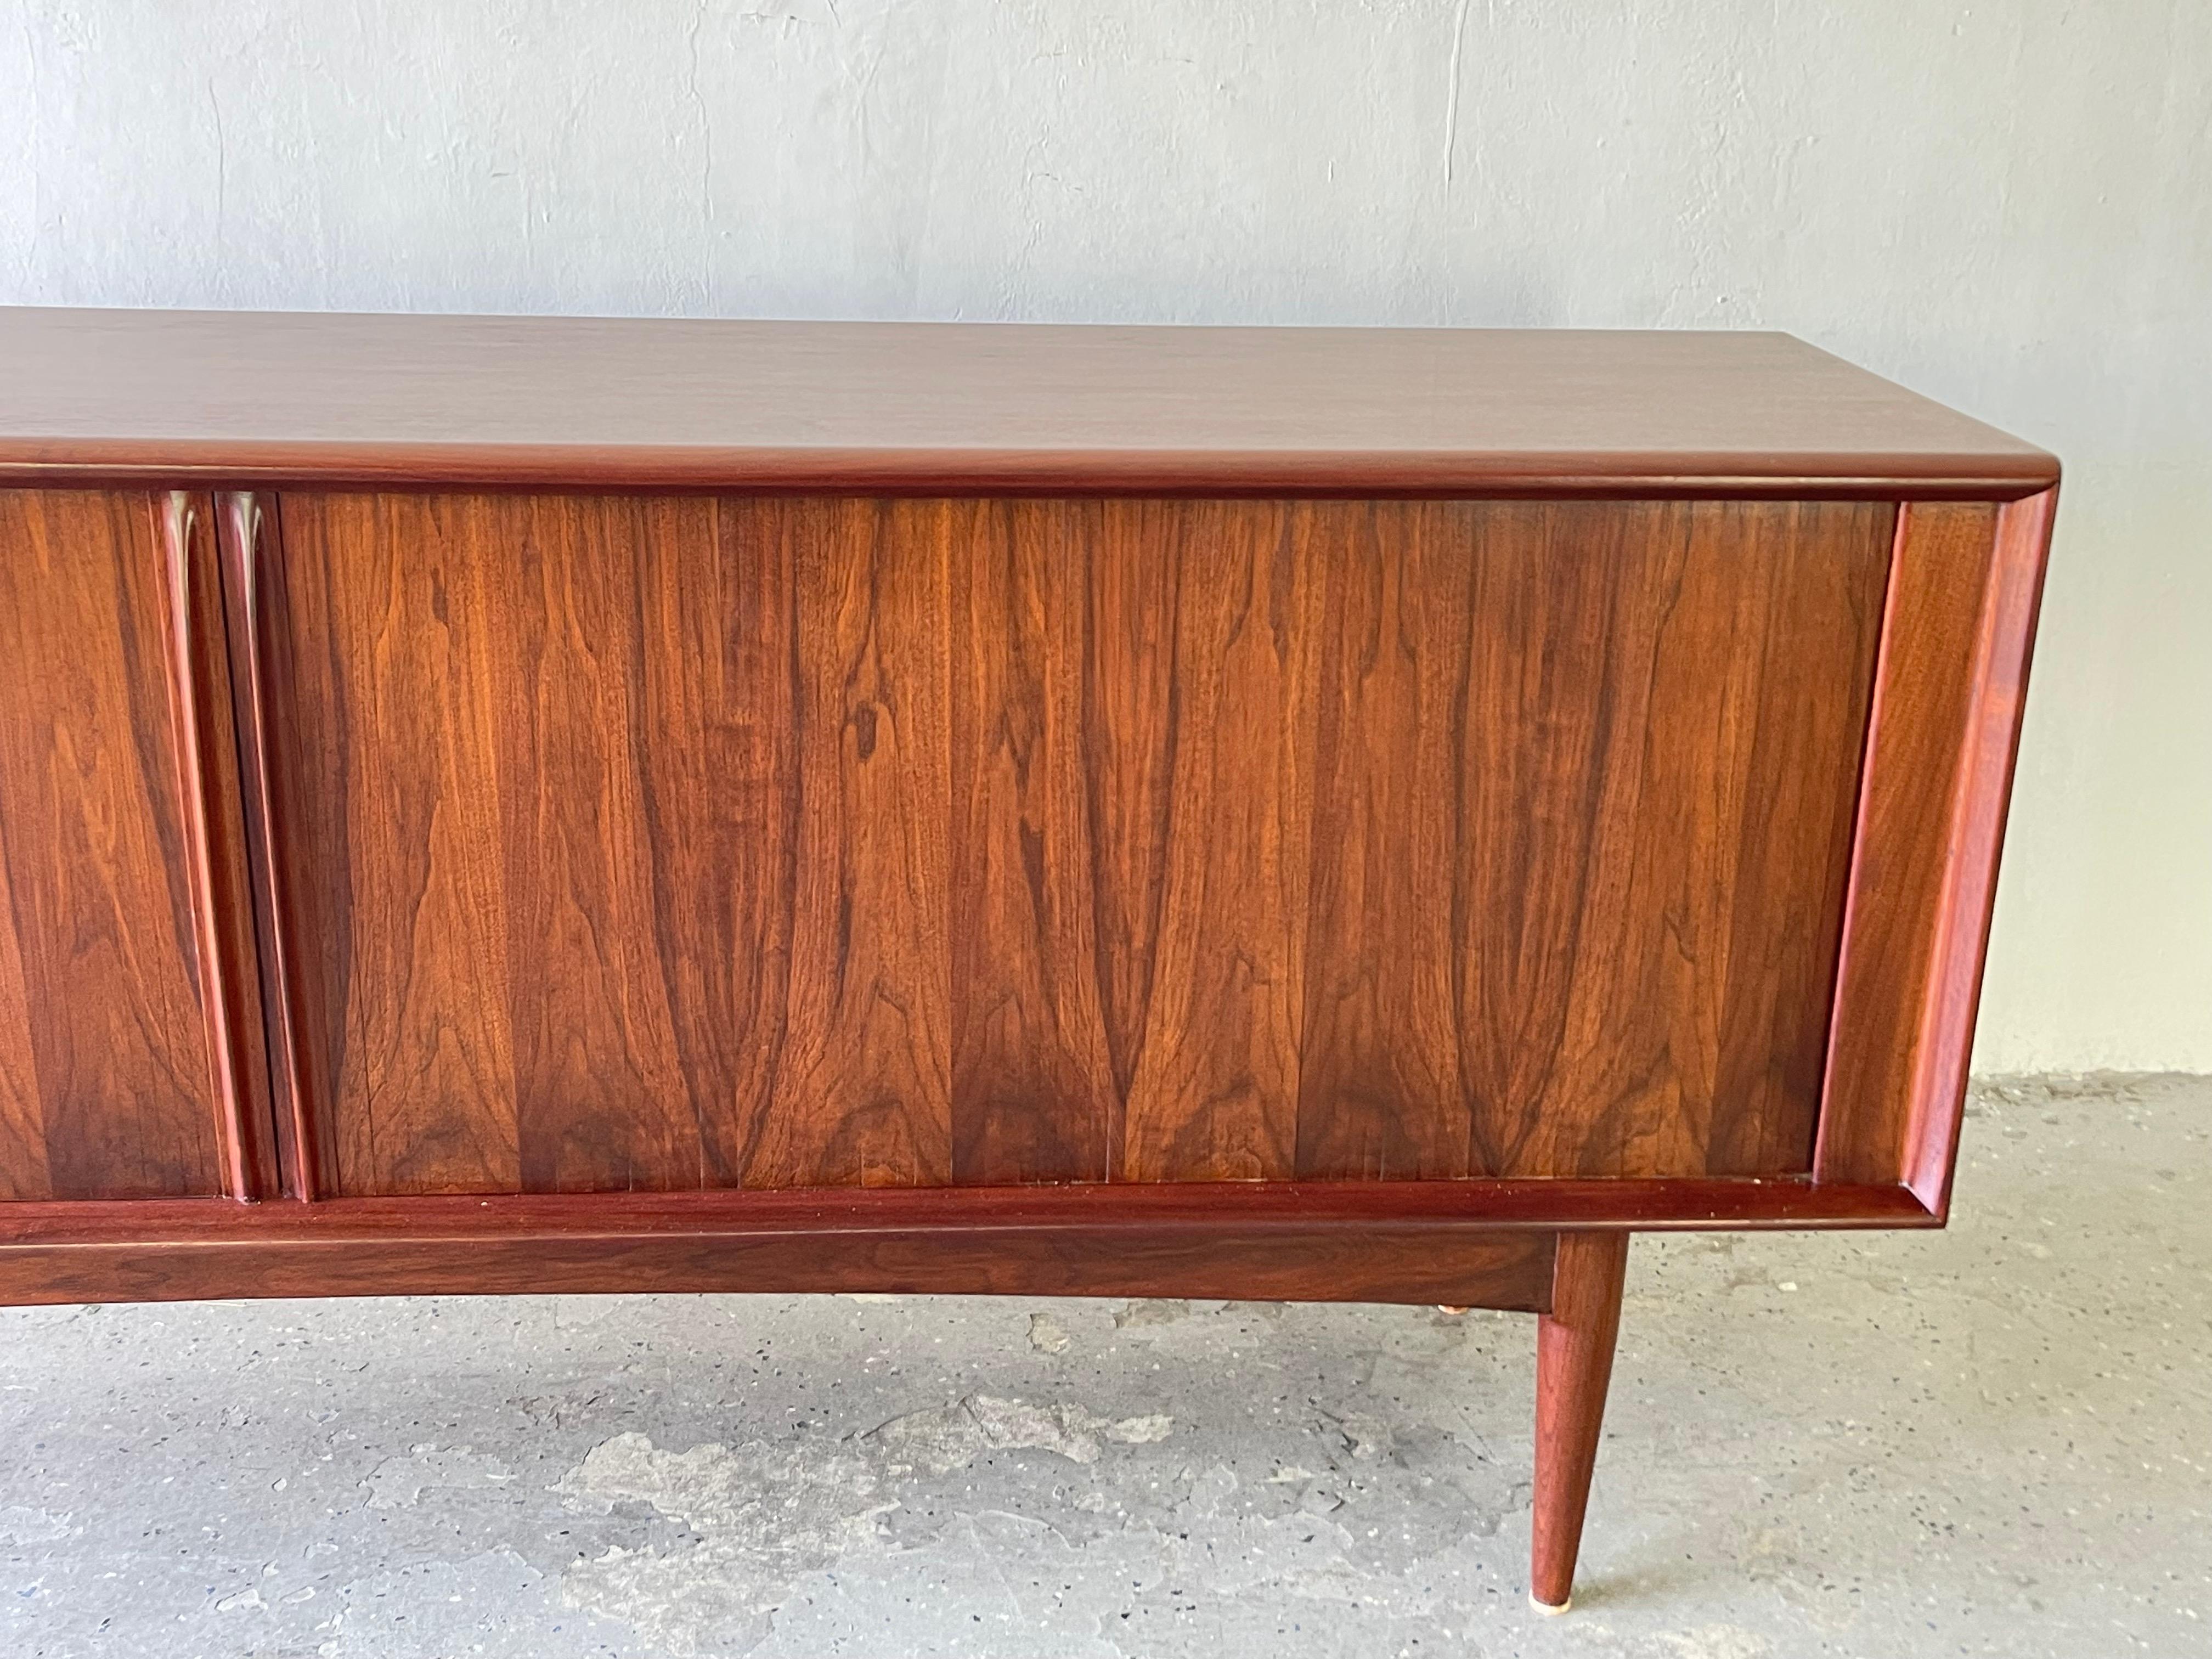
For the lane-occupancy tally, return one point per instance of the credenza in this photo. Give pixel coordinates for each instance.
(532, 805)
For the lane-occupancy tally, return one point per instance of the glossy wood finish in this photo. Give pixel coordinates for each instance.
(1574, 1367)
(213, 848)
(1963, 598)
(2005, 643)
(1583, 798)
(1396, 1243)
(1509, 1272)
(873, 877)
(109, 1080)
(230, 397)
(644, 843)
(1304, 1266)
(1443, 1206)
(949, 1240)
(252, 588)
(604, 835)
(1420, 1241)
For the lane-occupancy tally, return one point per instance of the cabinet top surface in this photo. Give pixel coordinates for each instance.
(304, 396)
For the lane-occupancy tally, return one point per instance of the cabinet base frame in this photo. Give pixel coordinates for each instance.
(1408, 1242)
(1358, 1242)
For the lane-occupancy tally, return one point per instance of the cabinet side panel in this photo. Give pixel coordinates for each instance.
(104, 1078)
(1963, 592)
(1925, 693)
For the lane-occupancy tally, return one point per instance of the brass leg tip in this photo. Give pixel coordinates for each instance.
(1547, 1607)
(1447, 1307)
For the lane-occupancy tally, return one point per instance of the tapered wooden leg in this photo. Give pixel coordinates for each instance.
(1574, 1363)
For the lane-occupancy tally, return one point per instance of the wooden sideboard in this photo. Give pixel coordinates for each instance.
(495, 805)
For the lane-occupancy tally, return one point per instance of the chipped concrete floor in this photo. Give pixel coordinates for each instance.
(1993, 1441)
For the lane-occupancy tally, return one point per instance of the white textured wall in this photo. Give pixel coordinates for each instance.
(2006, 205)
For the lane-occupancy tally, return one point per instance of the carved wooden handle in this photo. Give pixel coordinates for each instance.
(244, 530)
(198, 726)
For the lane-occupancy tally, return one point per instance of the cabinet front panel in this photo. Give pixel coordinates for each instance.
(1583, 786)
(656, 842)
(106, 1089)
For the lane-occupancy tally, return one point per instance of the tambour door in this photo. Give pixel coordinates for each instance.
(130, 1037)
(653, 842)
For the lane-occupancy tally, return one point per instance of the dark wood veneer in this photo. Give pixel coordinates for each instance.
(1312, 1242)
(1319, 814)
(1965, 585)
(881, 408)
(252, 587)
(109, 1080)
(650, 842)
(213, 850)
(1509, 1271)
(1230, 1206)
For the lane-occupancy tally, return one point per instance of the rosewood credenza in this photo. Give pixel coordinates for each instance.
(496, 804)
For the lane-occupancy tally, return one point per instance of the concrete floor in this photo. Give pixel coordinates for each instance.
(1992, 1441)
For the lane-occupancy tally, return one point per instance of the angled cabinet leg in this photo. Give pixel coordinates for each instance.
(1574, 1363)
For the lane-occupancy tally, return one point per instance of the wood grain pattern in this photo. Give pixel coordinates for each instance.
(1367, 702)
(295, 400)
(1035, 1093)
(620, 821)
(104, 1068)
(662, 842)
(1961, 627)
(25, 1172)
(868, 1096)
(395, 660)
(1132, 840)
(720, 691)
(1586, 780)
(1214, 1092)
(1383, 1090)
